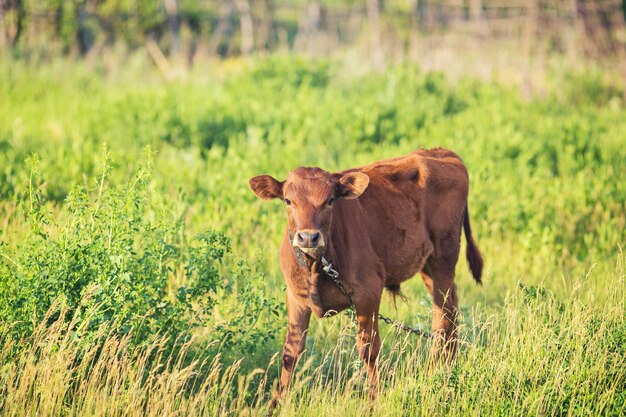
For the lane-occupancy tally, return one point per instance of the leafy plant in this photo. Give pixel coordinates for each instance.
(114, 252)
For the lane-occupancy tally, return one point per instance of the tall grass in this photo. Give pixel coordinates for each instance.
(535, 354)
(147, 283)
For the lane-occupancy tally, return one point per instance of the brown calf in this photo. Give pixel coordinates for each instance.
(378, 225)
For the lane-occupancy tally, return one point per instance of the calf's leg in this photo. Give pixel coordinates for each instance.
(368, 340)
(440, 283)
(445, 311)
(298, 318)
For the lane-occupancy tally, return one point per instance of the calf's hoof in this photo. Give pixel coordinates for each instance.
(373, 392)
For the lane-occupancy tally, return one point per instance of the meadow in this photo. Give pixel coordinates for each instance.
(139, 274)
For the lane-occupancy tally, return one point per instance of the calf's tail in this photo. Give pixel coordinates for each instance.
(474, 258)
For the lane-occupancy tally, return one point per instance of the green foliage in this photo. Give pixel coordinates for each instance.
(120, 255)
(591, 88)
(170, 246)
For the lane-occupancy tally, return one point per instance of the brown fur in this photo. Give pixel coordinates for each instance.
(407, 218)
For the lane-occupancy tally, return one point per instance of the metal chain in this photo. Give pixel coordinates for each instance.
(327, 267)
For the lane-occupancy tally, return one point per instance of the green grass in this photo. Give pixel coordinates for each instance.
(141, 277)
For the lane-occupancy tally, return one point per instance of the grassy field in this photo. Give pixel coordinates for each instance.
(139, 274)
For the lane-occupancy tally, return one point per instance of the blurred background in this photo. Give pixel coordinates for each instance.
(515, 40)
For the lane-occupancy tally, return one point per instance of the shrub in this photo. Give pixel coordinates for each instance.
(121, 253)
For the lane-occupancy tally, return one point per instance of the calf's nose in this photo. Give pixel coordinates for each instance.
(308, 240)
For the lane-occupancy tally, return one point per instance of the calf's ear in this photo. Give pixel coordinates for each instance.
(352, 185)
(266, 187)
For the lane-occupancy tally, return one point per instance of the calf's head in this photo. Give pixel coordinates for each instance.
(309, 195)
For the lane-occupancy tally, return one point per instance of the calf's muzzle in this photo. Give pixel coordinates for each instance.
(308, 240)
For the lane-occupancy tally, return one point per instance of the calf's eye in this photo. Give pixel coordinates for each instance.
(287, 201)
(330, 201)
